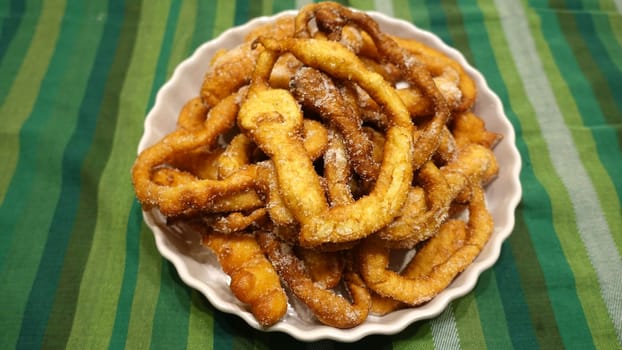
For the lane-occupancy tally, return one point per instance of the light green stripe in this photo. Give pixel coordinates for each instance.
(266, 7)
(146, 292)
(416, 336)
(182, 40)
(226, 15)
(469, 330)
(200, 323)
(365, 5)
(93, 322)
(22, 96)
(401, 9)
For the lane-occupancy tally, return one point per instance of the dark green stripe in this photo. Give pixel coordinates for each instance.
(61, 316)
(128, 288)
(532, 278)
(45, 284)
(518, 319)
(420, 15)
(160, 73)
(282, 5)
(375, 342)
(242, 12)
(11, 25)
(491, 312)
(254, 9)
(146, 291)
(455, 26)
(438, 21)
(170, 323)
(342, 2)
(204, 26)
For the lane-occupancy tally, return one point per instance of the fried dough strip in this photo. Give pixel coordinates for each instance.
(374, 258)
(328, 307)
(333, 16)
(450, 238)
(473, 165)
(403, 156)
(188, 197)
(324, 268)
(438, 62)
(468, 128)
(192, 115)
(233, 68)
(237, 221)
(253, 279)
(201, 162)
(228, 72)
(337, 171)
(318, 93)
(235, 201)
(271, 117)
(268, 185)
(236, 155)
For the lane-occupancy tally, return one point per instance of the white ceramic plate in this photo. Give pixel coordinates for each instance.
(199, 269)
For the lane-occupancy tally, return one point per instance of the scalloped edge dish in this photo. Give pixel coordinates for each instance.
(199, 269)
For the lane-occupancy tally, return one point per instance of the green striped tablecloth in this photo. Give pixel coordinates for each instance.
(79, 269)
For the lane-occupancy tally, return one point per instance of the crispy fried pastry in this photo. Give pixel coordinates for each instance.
(329, 307)
(314, 151)
(436, 265)
(254, 280)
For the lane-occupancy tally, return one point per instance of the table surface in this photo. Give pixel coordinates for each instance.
(79, 268)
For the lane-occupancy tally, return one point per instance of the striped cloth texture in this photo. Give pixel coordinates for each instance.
(79, 269)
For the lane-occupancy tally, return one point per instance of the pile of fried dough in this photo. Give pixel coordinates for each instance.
(318, 150)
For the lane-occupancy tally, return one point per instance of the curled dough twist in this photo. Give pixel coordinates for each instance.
(273, 120)
(421, 281)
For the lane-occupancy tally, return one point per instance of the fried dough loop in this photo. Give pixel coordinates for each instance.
(315, 150)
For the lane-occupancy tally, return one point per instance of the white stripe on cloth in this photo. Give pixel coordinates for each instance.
(445, 330)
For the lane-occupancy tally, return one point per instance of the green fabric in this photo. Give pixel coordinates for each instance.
(79, 268)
